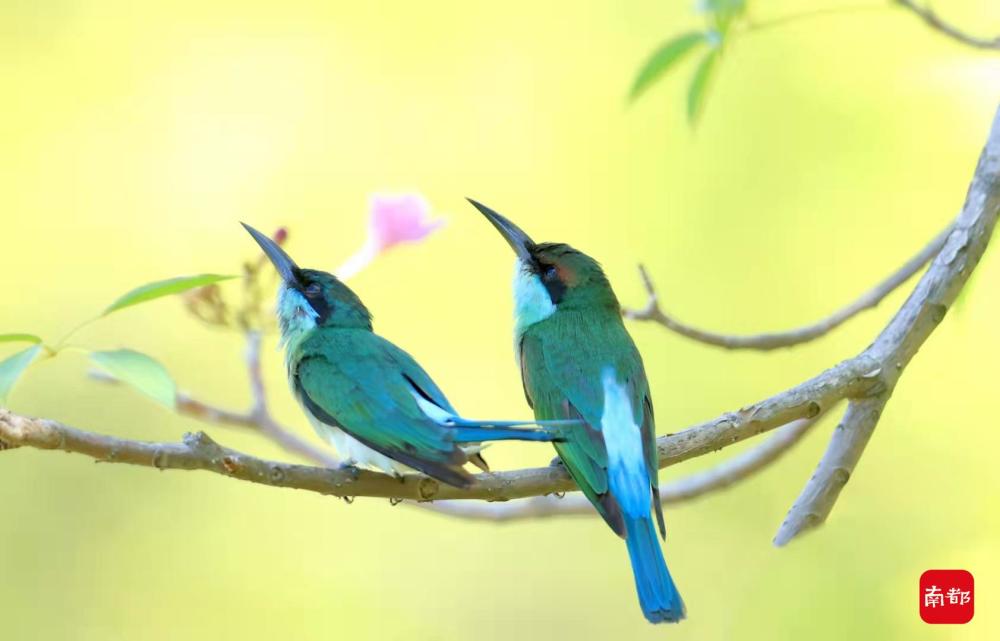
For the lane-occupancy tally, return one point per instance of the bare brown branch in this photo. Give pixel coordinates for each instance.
(774, 340)
(835, 468)
(897, 344)
(257, 418)
(260, 413)
(199, 452)
(723, 475)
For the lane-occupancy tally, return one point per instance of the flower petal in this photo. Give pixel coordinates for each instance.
(400, 218)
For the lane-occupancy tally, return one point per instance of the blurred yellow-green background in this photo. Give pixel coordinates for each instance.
(134, 136)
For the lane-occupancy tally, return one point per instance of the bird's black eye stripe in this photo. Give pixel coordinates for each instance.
(314, 295)
(556, 289)
(542, 269)
(550, 278)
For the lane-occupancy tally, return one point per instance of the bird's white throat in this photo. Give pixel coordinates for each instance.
(296, 317)
(532, 302)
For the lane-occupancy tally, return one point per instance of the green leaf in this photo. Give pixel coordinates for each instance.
(162, 288)
(699, 85)
(143, 373)
(19, 338)
(13, 366)
(669, 53)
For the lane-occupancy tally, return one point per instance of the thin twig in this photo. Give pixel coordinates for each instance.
(723, 475)
(261, 413)
(775, 340)
(187, 405)
(935, 22)
(257, 418)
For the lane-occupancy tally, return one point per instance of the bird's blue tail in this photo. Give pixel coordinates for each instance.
(476, 434)
(465, 430)
(658, 596)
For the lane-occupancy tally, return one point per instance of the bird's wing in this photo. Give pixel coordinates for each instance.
(563, 361)
(417, 377)
(651, 452)
(369, 388)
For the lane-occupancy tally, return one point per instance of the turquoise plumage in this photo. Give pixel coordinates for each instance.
(578, 362)
(366, 395)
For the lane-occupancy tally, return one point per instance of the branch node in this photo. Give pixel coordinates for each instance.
(160, 459)
(202, 444)
(427, 488)
(841, 476)
(937, 312)
(277, 474)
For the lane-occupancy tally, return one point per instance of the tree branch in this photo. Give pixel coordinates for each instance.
(258, 417)
(867, 380)
(260, 413)
(768, 341)
(896, 345)
(199, 452)
(721, 476)
(935, 22)
(834, 470)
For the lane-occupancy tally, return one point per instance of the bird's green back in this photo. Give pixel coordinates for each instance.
(362, 383)
(563, 359)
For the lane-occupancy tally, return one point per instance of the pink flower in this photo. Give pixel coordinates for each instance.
(393, 219)
(399, 218)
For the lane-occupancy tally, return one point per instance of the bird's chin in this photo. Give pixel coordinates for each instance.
(532, 303)
(296, 317)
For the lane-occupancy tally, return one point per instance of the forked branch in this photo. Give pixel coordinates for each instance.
(866, 381)
(774, 340)
(723, 475)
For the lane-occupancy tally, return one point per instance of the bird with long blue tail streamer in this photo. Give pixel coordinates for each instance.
(366, 396)
(578, 362)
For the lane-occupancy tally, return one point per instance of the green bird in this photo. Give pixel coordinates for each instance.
(367, 396)
(578, 362)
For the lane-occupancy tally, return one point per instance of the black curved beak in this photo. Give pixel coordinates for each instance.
(519, 241)
(286, 267)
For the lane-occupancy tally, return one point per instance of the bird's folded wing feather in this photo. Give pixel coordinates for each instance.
(562, 366)
(367, 385)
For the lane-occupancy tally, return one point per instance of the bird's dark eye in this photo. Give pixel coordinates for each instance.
(312, 290)
(549, 273)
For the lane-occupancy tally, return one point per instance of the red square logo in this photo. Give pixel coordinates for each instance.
(947, 596)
